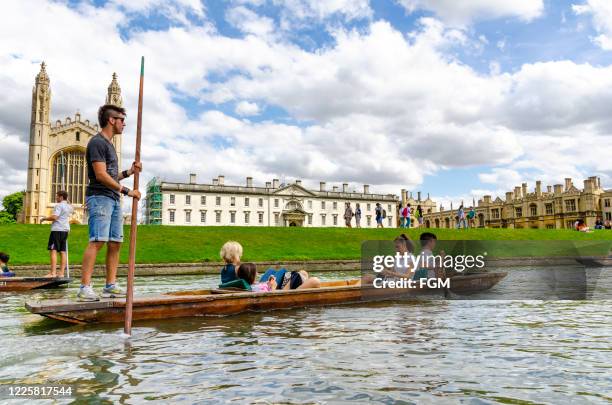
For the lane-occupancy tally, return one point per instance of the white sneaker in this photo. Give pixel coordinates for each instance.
(87, 293)
(113, 292)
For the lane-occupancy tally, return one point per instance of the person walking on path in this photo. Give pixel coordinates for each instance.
(103, 202)
(408, 216)
(379, 215)
(403, 214)
(357, 216)
(419, 215)
(348, 215)
(471, 218)
(461, 218)
(58, 239)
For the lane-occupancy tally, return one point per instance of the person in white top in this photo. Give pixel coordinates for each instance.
(59, 232)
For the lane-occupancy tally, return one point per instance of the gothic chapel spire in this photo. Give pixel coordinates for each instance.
(114, 93)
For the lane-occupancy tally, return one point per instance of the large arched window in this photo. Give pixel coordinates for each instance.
(69, 172)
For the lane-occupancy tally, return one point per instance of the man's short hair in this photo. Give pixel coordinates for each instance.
(4, 257)
(63, 194)
(426, 237)
(106, 111)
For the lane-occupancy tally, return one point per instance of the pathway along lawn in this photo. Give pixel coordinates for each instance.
(27, 244)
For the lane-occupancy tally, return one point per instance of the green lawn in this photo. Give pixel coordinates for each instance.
(26, 244)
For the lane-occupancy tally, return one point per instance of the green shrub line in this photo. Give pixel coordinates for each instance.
(27, 244)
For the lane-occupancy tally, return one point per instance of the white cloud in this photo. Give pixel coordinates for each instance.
(601, 11)
(466, 11)
(245, 108)
(249, 22)
(320, 10)
(377, 106)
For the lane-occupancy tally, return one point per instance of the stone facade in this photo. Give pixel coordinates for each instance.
(556, 208)
(275, 204)
(56, 158)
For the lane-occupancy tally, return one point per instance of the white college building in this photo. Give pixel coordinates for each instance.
(275, 204)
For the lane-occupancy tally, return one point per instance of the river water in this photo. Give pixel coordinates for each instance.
(457, 351)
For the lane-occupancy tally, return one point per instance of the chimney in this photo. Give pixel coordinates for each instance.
(558, 189)
(419, 196)
(509, 196)
(335, 189)
(517, 193)
(298, 182)
(322, 186)
(215, 182)
(538, 189)
(588, 185)
(524, 190)
(487, 199)
(275, 183)
(221, 179)
(192, 178)
(268, 184)
(249, 182)
(366, 189)
(549, 189)
(403, 196)
(428, 196)
(568, 183)
(345, 187)
(598, 183)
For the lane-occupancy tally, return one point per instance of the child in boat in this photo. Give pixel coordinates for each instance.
(291, 280)
(231, 252)
(4, 258)
(248, 272)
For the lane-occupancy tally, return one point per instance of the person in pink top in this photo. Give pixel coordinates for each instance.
(248, 272)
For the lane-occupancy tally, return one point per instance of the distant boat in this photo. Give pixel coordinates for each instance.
(31, 283)
(227, 302)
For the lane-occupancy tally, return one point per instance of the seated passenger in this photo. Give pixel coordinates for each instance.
(291, 280)
(403, 269)
(248, 272)
(4, 258)
(428, 270)
(231, 252)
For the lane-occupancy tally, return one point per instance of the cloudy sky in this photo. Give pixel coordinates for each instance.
(457, 99)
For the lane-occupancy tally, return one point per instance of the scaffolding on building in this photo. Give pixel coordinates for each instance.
(153, 211)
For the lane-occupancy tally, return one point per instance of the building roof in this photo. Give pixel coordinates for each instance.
(293, 189)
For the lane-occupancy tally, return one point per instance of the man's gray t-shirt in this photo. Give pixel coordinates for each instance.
(99, 149)
(63, 211)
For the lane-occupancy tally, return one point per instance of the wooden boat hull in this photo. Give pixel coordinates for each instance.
(31, 283)
(222, 302)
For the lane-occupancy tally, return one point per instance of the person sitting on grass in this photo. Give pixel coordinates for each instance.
(4, 258)
(582, 227)
(248, 272)
(231, 252)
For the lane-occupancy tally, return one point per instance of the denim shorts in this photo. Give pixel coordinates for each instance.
(105, 219)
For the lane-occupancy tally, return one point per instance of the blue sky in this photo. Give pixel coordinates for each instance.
(454, 100)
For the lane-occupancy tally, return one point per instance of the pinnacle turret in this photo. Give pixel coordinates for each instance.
(114, 93)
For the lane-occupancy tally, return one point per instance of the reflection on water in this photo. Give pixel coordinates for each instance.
(444, 351)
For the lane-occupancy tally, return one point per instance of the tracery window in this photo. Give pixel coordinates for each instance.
(69, 172)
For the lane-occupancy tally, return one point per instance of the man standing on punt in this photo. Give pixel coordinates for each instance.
(104, 203)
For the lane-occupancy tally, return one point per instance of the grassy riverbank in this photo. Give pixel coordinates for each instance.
(26, 244)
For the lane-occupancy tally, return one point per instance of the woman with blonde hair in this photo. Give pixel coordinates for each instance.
(230, 253)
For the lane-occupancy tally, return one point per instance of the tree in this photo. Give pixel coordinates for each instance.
(13, 203)
(6, 218)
